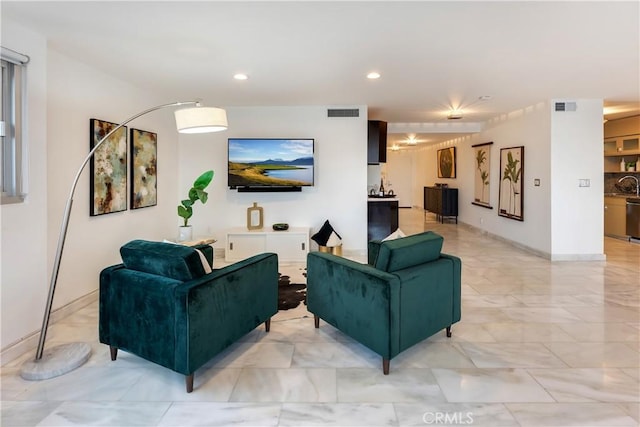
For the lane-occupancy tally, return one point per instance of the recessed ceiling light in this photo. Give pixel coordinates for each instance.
(373, 75)
(240, 76)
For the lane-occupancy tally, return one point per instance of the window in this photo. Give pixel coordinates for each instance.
(12, 154)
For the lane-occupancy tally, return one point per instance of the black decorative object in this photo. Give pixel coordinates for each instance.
(281, 226)
(325, 234)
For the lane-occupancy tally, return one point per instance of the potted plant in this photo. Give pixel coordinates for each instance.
(185, 208)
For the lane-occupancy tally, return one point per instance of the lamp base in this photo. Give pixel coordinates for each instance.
(56, 361)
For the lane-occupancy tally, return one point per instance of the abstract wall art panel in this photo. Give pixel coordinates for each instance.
(108, 169)
(144, 169)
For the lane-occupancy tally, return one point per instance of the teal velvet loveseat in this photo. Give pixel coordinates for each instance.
(407, 292)
(162, 305)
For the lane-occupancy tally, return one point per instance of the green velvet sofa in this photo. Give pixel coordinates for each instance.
(162, 305)
(407, 292)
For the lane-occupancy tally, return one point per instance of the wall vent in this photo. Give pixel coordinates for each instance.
(566, 106)
(343, 112)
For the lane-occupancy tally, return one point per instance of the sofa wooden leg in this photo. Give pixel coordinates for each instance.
(316, 321)
(114, 352)
(385, 366)
(267, 324)
(449, 331)
(189, 382)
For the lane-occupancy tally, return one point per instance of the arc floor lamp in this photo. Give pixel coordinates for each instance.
(67, 357)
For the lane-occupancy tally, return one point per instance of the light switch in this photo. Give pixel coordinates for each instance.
(584, 183)
(536, 182)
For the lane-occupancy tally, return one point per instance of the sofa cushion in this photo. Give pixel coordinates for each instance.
(163, 259)
(206, 264)
(395, 235)
(409, 251)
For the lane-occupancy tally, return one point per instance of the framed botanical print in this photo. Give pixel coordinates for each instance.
(108, 168)
(511, 175)
(481, 182)
(144, 169)
(447, 163)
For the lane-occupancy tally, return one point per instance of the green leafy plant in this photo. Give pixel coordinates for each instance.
(185, 208)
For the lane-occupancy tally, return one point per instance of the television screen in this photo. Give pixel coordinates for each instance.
(260, 162)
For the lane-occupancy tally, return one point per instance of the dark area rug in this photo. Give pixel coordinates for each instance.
(290, 295)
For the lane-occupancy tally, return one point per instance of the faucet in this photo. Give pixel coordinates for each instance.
(637, 183)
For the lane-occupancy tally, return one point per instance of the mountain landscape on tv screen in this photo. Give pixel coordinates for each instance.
(300, 161)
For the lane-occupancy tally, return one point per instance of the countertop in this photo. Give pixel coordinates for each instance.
(382, 199)
(622, 195)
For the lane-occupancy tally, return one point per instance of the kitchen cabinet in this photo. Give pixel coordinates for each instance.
(290, 245)
(377, 142)
(621, 147)
(615, 212)
(382, 218)
(442, 201)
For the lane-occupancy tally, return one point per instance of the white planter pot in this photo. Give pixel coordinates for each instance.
(185, 233)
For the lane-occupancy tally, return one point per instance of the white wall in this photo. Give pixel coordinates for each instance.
(340, 190)
(64, 95)
(425, 171)
(23, 252)
(77, 93)
(399, 173)
(576, 153)
(561, 220)
(528, 127)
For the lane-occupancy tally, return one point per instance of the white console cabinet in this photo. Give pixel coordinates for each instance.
(291, 245)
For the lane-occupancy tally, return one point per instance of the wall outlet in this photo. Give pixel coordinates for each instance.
(584, 183)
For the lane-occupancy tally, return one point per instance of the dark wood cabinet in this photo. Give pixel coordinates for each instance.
(442, 201)
(377, 146)
(382, 219)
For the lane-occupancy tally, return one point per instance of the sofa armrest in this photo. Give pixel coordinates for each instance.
(456, 265)
(361, 301)
(138, 313)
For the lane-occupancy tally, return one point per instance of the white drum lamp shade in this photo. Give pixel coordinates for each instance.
(201, 120)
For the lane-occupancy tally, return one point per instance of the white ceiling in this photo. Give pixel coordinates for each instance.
(433, 56)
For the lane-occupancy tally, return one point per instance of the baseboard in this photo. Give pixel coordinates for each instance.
(30, 342)
(518, 245)
(578, 257)
(537, 252)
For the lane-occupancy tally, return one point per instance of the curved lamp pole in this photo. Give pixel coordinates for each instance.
(66, 357)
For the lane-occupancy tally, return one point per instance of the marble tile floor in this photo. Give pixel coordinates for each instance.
(540, 344)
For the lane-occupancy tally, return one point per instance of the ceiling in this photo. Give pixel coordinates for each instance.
(432, 56)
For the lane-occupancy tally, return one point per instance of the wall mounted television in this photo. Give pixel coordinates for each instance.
(270, 164)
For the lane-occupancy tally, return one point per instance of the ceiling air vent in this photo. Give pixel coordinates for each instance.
(343, 112)
(566, 106)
